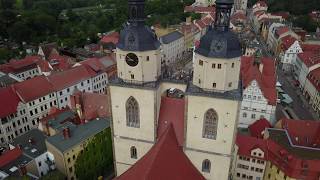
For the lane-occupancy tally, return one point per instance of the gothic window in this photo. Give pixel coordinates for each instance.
(134, 13)
(210, 124)
(132, 112)
(206, 166)
(133, 152)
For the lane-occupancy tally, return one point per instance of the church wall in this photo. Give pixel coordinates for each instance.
(146, 100)
(227, 111)
(122, 152)
(219, 164)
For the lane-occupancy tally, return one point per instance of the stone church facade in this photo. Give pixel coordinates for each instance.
(211, 97)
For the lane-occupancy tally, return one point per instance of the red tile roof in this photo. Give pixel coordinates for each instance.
(314, 78)
(246, 144)
(93, 105)
(284, 15)
(17, 66)
(169, 115)
(239, 16)
(165, 160)
(281, 30)
(60, 63)
(199, 9)
(70, 77)
(287, 41)
(310, 58)
(111, 38)
(261, 3)
(9, 101)
(266, 79)
(258, 127)
(10, 156)
(200, 24)
(303, 132)
(311, 47)
(33, 88)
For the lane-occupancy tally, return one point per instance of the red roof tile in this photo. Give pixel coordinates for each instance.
(111, 38)
(303, 132)
(284, 15)
(311, 47)
(314, 78)
(17, 66)
(310, 58)
(258, 127)
(287, 41)
(10, 156)
(70, 77)
(93, 105)
(266, 80)
(60, 63)
(165, 160)
(246, 144)
(9, 101)
(281, 30)
(175, 116)
(199, 9)
(33, 88)
(261, 3)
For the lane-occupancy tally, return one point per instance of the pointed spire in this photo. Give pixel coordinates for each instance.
(136, 12)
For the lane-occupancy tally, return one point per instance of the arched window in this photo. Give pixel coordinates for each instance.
(132, 112)
(206, 166)
(210, 124)
(133, 152)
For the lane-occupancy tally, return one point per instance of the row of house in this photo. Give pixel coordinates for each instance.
(61, 137)
(283, 152)
(24, 103)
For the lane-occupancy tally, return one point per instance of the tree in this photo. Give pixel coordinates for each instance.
(97, 157)
(5, 54)
(53, 175)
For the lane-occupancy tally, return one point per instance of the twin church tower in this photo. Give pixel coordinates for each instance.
(212, 99)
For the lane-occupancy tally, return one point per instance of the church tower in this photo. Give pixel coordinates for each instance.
(133, 93)
(214, 98)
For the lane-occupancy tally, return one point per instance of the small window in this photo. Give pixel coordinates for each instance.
(39, 163)
(132, 76)
(70, 169)
(206, 166)
(148, 58)
(232, 65)
(219, 66)
(133, 152)
(244, 115)
(253, 116)
(200, 62)
(230, 84)
(199, 81)
(213, 65)
(214, 85)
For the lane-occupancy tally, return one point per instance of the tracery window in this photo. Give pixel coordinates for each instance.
(132, 113)
(210, 124)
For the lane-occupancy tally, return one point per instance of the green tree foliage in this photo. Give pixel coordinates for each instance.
(97, 157)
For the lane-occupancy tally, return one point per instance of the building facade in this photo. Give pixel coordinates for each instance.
(259, 94)
(172, 47)
(138, 99)
(289, 56)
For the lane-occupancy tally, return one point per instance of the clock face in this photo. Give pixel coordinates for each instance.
(132, 59)
(218, 46)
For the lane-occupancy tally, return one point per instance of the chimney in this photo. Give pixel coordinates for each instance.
(66, 133)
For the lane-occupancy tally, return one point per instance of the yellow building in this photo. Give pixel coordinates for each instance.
(273, 172)
(68, 144)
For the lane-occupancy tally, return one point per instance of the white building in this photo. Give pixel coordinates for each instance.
(25, 103)
(172, 46)
(289, 56)
(305, 63)
(272, 37)
(259, 94)
(194, 134)
(251, 158)
(312, 90)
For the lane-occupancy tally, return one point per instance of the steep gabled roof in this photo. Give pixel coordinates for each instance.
(10, 156)
(314, 78)
(165, 160)
(287, 41)
(9, 101)
(310, 58)
(265, 79)
(17, 66)
(33, 88)
(247, 143)
(169, 115)
(257, 128)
